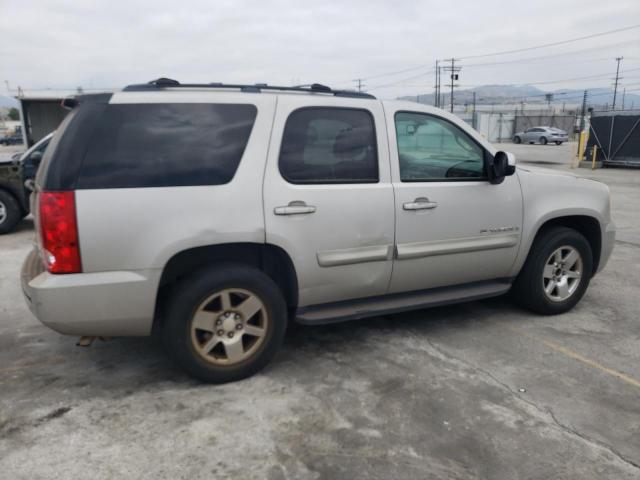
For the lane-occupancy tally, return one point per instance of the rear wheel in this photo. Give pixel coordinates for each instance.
(557, 272)
(10, 213)
(517, 139)
(558, 143)
(225, 323)
(543, 140)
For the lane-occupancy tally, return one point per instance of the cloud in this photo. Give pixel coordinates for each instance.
(95, 44)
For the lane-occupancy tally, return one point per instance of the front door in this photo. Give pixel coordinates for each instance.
(452, 226)
(328, 199)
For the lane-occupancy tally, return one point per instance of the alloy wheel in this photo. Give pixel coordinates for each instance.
(229, 326)
(562, 273)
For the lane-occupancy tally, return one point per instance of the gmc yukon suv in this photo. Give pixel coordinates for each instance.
(212, 214)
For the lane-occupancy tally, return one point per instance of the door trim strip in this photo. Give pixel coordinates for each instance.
(349, 256)
(405, 251)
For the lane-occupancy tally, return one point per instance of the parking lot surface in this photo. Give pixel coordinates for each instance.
(477, 390)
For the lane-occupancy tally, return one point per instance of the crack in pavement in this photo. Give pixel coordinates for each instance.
(545, 412)
(632, 244)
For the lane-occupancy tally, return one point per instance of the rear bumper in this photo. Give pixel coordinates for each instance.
(608, 241)
(118, 303)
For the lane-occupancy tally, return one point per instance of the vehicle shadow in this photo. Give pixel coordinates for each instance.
(123, 366)
(24, 225)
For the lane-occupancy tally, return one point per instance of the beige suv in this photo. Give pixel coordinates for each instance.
(214, 213)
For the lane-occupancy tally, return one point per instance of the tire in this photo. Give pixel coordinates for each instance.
(10, 213)
(558, 143)
(208, 354)
(529, 287)
(517, 140)
(543, 140)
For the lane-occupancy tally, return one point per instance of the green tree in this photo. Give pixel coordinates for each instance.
(14, 114)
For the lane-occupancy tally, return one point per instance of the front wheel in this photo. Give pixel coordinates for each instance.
(517, 140)
(225, 323)
(557, 272)
(543, 140)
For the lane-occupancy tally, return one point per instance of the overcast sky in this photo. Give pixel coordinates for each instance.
(60, 44)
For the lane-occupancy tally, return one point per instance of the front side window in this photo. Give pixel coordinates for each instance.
(162, 145)
(432, 149)
(329, 145)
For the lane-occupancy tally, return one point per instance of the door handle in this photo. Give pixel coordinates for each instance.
(296, 207)
(420, 203)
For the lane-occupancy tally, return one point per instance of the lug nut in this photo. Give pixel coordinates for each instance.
(239, 326)
(230, 334)
(220, 332)
(218, 322)
(236, 316)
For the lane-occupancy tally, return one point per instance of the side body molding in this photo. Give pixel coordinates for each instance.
(348, 256)
(471, 244)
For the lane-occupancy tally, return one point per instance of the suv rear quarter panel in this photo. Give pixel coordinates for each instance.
(142, 228)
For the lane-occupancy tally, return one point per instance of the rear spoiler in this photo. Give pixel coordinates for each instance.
(73, 101)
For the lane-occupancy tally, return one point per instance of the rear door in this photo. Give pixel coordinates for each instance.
(328, 199)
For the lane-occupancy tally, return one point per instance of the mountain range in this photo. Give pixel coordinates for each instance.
(515, 94)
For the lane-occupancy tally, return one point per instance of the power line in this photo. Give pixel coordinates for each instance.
(552, 44)
(418, 67)
(413, 77)
(602, 75)
(555, 55)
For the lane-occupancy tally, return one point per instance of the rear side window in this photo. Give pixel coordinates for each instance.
(329, 145)
(161, 145)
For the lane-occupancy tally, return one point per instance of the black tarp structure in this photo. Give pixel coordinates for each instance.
(617, 135)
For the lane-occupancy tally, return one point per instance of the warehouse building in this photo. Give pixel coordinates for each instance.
(41, 111)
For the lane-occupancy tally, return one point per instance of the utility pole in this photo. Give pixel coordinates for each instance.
(473, 118)
(617, 79)
(624, 93)
(583, 112)
(360, 84)
(453, 77)
(436, 95)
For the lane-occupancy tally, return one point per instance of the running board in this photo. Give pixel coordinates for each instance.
(399, 302)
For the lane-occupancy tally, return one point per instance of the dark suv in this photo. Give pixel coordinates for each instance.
(14, 196)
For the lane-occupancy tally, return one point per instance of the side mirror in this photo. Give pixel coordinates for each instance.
(36, 158)
(501, 165)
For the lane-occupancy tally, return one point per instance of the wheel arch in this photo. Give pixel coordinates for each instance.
(270, 259)
(586, 225)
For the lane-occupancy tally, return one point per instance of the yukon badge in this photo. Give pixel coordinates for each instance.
(499, 230)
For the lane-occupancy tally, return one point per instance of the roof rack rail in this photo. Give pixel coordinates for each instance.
(162, 83)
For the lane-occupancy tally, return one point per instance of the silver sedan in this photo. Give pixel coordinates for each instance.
(542, 135)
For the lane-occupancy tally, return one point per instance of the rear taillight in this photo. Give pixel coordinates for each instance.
(59, 232)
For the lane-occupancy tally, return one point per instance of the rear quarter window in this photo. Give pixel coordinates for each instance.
(159, 145)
